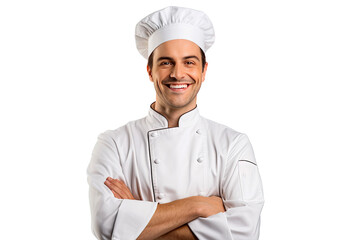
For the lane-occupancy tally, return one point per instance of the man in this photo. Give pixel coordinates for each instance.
(174, 174)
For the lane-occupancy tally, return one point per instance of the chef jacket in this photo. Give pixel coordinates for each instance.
(161, 164)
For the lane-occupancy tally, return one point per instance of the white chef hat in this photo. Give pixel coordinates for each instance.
(173, 23)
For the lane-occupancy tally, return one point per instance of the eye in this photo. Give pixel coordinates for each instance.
(165, 63)
(189, 63)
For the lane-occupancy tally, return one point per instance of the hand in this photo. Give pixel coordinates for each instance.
(211, 206)
(118, 188)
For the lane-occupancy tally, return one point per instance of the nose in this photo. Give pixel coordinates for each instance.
(178, 72)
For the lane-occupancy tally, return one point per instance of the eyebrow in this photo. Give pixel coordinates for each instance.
(171, 59)
(187, 57)
(164, 58)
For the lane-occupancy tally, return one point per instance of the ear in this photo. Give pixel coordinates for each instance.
(148, 69)
(204, 72)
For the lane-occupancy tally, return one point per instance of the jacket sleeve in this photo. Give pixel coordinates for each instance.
(242, 195)
(113, 218)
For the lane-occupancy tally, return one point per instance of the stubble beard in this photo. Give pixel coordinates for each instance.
(176, 103)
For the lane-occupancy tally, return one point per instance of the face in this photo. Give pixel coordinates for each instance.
(177, 74)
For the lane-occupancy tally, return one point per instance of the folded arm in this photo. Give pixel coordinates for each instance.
(170, 219)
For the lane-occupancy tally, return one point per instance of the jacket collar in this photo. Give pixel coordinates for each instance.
(156, 120)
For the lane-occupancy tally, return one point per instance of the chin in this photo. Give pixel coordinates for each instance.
(180, 104)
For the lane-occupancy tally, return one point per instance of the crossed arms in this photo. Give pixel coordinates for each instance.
(170, 220)
(118, 215)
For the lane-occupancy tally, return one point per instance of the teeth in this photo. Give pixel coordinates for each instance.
(177, 86)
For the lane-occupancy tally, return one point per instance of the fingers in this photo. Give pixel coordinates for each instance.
(219, 203)
(114, 185)
(118, 188)
(115, 194)
(212, 205)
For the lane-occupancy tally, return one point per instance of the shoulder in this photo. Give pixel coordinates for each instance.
(222, 131)
(233, 142)
(124, 131)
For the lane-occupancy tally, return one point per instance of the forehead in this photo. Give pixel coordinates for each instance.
(177, 48)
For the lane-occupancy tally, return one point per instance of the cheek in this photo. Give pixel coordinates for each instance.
(195, 74)
(162, 75)
(158, 86)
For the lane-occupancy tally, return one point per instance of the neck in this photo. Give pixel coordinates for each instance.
(172, 114)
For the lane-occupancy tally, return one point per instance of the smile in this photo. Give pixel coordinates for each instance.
(175, 87)
(178, 86)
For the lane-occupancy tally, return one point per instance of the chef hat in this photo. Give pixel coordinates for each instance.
(173, 23)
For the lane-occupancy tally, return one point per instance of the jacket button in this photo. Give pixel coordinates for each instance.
(200, 160)
(198, 131)
(156, 161)
(161, 195)
(154, 134)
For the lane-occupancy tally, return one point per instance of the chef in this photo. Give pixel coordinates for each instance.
(174, 174)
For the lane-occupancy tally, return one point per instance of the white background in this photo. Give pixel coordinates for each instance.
(284, 72)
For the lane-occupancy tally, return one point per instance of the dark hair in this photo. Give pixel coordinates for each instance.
(203, 59)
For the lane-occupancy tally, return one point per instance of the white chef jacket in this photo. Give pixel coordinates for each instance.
(161, 164)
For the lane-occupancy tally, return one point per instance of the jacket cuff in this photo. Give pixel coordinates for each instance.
(212, 228)
(132, 218)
